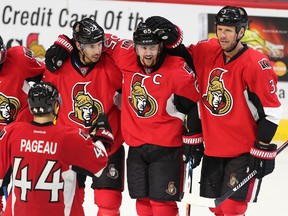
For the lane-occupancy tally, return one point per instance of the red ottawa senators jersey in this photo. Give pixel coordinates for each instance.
(19, 65)
(84, 96)
(148, 113)
(42, 158)
(229, 118)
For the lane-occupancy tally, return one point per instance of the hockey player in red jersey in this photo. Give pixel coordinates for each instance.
(239, 108)
(17, 65)
(157, 91)
(88, 84)
(43, 157)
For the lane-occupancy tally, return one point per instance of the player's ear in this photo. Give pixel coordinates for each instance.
(78, 45)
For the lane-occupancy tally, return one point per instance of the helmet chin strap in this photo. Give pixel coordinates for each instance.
(235, 45)
(83, 56)
(237, 41)
(55, 112)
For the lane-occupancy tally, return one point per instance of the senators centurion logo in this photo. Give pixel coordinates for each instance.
(217, 99)
(113, 172)
(171, 190)
(233, 181)
(86, 109)
(9, 108)
(141, 102)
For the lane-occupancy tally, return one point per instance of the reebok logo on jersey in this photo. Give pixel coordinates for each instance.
(39, 132)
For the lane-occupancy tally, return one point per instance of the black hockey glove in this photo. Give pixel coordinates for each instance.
(170, 34)
(262, 159)
(58, 53)
(192, 147)
(102, 131)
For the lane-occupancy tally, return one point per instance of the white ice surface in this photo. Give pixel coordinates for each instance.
(272, 201)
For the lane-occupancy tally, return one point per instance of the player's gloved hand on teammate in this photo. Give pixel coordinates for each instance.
(59, 52)
(192, 147)
(262, 158)
(102, 131)
(170, 34)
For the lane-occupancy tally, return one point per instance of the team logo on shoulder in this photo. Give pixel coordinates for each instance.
(85, 135)
(2, 133)
(264, 64)
(86, 109)
(9, 108)
(171, 190)
(126, 44)
(188, 69)
(113, 172)
(217, 99)
(28, 53)
(143, 104)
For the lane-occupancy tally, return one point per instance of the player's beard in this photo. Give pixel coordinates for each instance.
(148, 61)
(231, 47)
(89, 60)
(228, 46)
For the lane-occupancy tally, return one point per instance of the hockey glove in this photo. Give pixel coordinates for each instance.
(192, 147)
(170, 34)
(262, 159)
(101, 130)
(58, 53)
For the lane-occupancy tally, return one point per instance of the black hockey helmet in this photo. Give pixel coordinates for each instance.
(87, 31)
(143, 35)
(232, 16)
(3, 52)
(42, 98)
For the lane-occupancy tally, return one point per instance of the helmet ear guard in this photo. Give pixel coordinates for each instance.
(87, 31)
(42, 98)
(232, 16)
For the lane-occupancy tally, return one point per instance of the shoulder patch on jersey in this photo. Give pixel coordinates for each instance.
(187, 68)
(2, 133)
(264, 64)
(28, 53)
(126, 44)
(84, 134)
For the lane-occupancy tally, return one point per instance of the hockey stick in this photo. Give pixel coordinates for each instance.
(214, 202)
(188, 182)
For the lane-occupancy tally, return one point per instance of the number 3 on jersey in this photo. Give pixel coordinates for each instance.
(24, 184)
